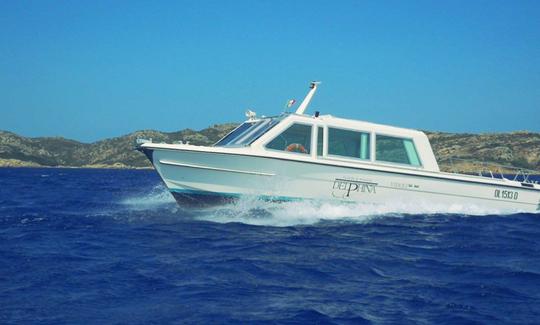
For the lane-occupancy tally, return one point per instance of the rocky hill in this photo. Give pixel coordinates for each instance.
(518, 149)
(117, 152)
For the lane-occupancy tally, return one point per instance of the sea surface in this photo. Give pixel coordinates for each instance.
(86, 246)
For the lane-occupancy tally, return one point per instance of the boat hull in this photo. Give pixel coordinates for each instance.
(201, 178)
(201, 199)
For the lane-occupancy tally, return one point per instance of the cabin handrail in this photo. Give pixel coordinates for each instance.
(492, 170)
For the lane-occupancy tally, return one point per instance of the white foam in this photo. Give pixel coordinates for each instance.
(158, 195)
(258, 212)
(254, 211)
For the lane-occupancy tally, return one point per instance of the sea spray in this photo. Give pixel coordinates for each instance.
(158, 195)
(256, 211)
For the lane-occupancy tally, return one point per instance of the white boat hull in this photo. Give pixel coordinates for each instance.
(198, 177)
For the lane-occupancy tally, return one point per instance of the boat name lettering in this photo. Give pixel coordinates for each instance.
(505, 194)
(343, 188)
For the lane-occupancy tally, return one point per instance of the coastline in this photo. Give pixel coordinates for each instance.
(463, 152)
(78, 167)
(14, 163)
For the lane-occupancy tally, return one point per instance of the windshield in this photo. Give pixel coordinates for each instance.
(248, 132)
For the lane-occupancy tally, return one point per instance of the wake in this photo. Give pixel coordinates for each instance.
(255, 211)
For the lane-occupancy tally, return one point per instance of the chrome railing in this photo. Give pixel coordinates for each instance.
(488, 169)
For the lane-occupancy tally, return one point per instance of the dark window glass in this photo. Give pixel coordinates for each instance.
(348, 143)
(297, 138)
(248, 132)
(320, 141)
(231, 136)
(255, 132)
(396, 150)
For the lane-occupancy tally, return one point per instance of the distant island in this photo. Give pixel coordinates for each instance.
(518, 149)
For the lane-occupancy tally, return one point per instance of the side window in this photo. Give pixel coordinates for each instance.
(320, 141)
(396, 150)
(297, 138)
(348, 143)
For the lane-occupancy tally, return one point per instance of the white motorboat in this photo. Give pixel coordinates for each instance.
(297, 156)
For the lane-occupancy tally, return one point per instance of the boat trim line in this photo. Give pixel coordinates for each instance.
(166, 162)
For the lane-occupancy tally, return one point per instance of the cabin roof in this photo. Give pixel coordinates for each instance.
(363, 125)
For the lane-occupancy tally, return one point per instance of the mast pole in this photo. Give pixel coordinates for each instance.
(305, 103)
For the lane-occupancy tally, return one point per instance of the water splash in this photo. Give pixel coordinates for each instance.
(255, 211)
(157, 196)
(150, 205)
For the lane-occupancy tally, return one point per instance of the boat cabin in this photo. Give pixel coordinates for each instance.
(331, 138)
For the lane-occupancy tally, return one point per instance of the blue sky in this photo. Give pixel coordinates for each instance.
(93, 69)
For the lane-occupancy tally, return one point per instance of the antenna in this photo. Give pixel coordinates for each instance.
(251, 115)
(302, 108)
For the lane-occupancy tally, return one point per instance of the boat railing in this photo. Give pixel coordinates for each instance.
(488, 169)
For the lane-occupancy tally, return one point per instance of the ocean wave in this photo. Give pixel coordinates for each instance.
(105, 239)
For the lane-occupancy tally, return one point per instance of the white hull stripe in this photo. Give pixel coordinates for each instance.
(171, 163)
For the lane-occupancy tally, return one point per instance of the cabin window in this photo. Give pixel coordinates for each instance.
(320, 141)
(297, 138)
(248, 132)
(348, 143)
(396, 150)
(255, 132)
(235, 133)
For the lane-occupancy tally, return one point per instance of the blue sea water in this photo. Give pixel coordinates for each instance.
(111, 246)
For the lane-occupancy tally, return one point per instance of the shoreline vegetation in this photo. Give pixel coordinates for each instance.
(520, 149)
